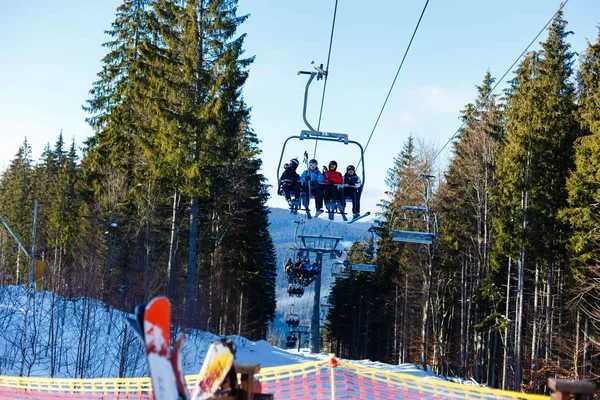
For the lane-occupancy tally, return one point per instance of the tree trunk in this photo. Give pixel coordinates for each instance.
(396, 341)
(534, 360)
(548, 348)
(584, 363)
(520, 287)
(191, 275)
(427, 293)
(576, 352)
(171, 263)
(506, 331)
(404, 341)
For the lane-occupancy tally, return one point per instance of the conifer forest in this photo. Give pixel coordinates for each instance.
(168, 197)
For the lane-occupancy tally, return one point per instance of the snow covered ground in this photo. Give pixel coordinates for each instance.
(82, 338)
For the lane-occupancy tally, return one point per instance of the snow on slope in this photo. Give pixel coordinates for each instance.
(81, 337)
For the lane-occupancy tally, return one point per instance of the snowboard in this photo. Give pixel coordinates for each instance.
(217, 365)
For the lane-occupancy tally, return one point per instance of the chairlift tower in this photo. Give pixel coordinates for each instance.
(318, 245)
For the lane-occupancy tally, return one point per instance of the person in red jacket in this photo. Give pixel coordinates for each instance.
(332, 192)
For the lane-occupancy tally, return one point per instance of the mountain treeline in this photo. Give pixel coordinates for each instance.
(509, 293)
(167, 197)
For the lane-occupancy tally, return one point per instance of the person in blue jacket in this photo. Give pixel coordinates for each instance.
(311, 179)
(352, 185)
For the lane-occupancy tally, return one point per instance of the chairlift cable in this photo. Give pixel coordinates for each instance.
(428, 165)
(326, 227)
(327, 73)
(395, 78)
(486, 98)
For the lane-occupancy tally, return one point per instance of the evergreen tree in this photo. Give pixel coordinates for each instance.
(582, 212)
(114, 163)
(16, 208)
(466, 228)
(532, 171)
(53, 184)
(352, 320)
(189, 151)
(399, 287)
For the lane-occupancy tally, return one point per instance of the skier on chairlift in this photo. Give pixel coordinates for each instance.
(333, 187)
(290, 181)
(352, 185)
(311, 179)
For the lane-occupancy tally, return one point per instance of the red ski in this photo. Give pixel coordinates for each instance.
(157, 336)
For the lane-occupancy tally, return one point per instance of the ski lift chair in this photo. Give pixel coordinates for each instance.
(419, 224)
(346, 267)
(363, 267)
(319, 243)
(423, 224)
(295, 290)
(340, 274)
(312, 134)
(291, 341)
(293, 320)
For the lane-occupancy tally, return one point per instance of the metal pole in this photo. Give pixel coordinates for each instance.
(32, 268)
(315, 333)
(14, 236)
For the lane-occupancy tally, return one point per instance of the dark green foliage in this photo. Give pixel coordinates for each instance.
(532, 171)
(168, 196)
(467, 212)
(350, 323)
(582, 212)
(17, 210)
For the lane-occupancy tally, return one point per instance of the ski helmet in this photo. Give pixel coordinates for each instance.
(332, 163)
(294, 163)
(313, 161)
(350, 167)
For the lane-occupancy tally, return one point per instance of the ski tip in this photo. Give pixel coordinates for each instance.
(135, 327)
(140, 309)
(229, 343)
(139, 312)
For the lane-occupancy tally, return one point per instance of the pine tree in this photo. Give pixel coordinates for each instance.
(532, 171)
(115, 153)
(467, 218)
(53, 184)
(16, 208)
(584, 196)
(352, 320)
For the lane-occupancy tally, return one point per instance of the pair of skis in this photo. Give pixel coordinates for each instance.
(152, 324)
(332, 207)
(360, 217)
(295, 207)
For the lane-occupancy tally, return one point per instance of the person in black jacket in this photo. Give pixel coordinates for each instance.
(290, 180)
(352, 185)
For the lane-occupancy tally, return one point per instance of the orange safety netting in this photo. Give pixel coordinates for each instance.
(298, 381)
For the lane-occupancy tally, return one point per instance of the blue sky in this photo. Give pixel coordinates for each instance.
(50, 53)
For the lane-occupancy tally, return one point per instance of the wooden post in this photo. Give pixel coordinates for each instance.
(246, 392)
(562, 389)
